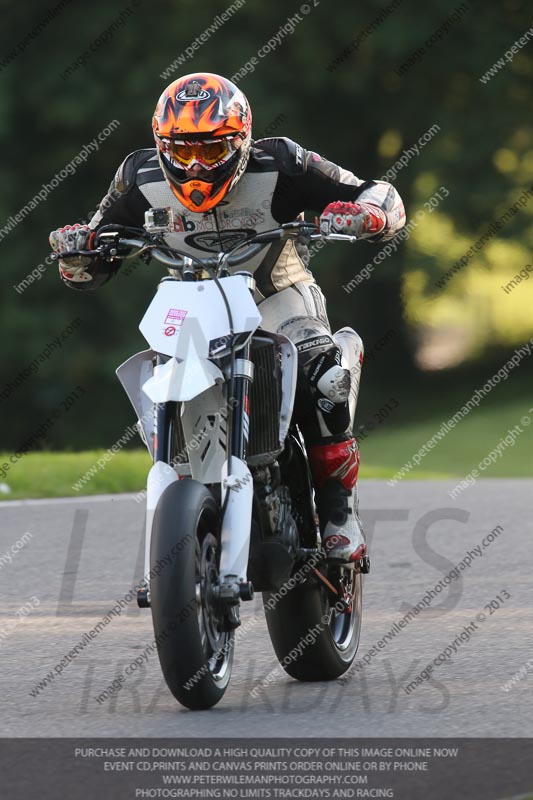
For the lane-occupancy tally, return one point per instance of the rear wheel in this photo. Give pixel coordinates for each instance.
(195, 653)
(312, 638)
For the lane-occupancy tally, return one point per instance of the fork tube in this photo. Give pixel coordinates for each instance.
(164, 415)
(164, 427)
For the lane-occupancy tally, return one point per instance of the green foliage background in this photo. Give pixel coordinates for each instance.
(361, 115)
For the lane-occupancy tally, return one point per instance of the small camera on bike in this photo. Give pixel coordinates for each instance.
(159, 220)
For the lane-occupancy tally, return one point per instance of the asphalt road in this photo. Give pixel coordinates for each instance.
(85, 552)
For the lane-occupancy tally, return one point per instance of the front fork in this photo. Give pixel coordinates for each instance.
(160, 476)
(236, 488)
(237, 493)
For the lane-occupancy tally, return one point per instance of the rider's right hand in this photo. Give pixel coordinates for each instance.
(360, 219)
(73, 237)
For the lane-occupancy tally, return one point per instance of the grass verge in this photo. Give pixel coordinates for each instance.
(384, 450)
(45, 474)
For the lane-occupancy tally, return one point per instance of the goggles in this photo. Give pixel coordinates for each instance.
(207, 154)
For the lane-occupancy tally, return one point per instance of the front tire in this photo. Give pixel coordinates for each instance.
(195, 654)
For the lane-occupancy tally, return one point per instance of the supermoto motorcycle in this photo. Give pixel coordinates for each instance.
(229, 501)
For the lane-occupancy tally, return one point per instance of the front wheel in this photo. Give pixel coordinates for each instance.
(195, 653)
(312, 639)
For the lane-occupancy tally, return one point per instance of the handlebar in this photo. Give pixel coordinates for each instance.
(181, 259)
(109, 242)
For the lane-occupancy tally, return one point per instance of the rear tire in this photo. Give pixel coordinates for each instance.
(196, 656)
(332, 638)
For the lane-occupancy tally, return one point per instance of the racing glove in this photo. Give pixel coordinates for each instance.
(357, 219)
(73, 237)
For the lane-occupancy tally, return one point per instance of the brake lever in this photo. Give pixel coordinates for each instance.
(72, 253)
(109, 250)
(334, 237)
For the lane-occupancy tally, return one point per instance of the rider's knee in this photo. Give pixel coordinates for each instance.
(329, 386)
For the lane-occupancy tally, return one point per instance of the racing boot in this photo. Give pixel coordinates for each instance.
(334, 468)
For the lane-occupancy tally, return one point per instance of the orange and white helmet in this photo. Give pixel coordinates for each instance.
(202, 119)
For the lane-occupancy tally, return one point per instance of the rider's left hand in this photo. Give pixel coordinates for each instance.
(358, 219)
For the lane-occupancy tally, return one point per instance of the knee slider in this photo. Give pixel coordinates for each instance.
(329, 378)
(330, 384)
(335, 384)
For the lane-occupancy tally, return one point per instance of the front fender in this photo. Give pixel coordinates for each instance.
(182, 380)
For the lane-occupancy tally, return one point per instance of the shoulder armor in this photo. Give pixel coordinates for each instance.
(289, 157)
(127, 172)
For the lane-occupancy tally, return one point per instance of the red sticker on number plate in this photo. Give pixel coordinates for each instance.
(175, 316)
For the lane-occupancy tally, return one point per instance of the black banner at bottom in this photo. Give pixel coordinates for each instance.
(406, 769)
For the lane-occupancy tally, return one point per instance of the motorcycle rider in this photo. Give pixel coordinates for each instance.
(223, 186)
